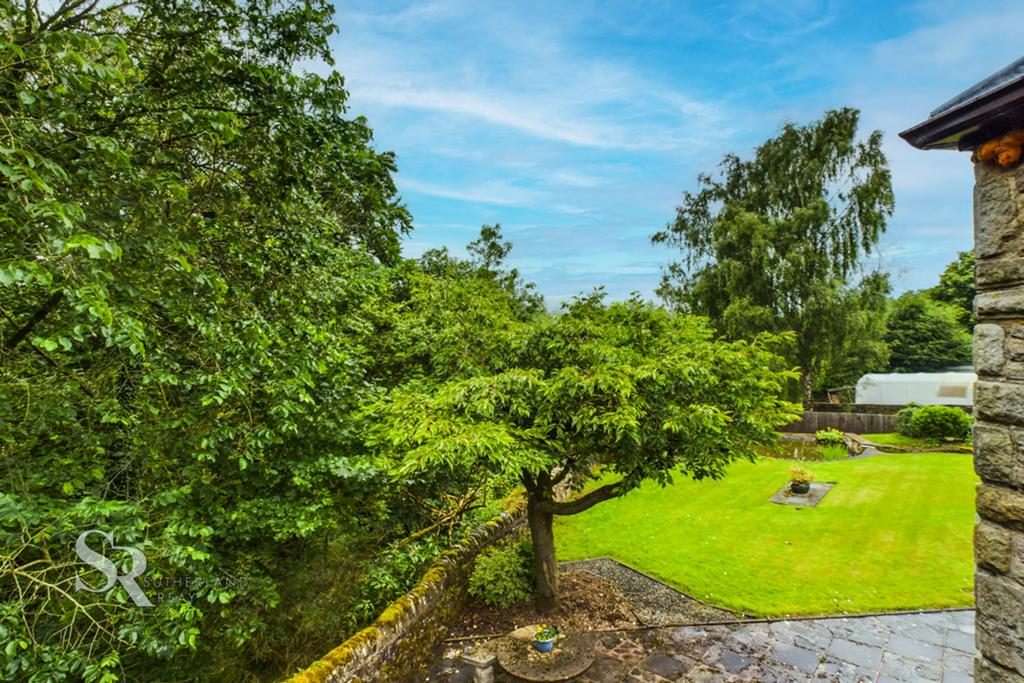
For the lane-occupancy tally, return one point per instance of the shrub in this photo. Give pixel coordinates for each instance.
(503, 576)
(829, 436)
(943, 423)
(904, 417)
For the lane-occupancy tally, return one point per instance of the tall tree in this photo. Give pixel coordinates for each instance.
(925, 335)
(192, 233)
(623, 393)
(956, 287)
(773, 242)
(858, 329)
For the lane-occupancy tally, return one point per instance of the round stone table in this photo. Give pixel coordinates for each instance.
(572, 654)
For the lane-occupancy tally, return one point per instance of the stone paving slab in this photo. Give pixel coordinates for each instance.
(899, 648)
(804, 500)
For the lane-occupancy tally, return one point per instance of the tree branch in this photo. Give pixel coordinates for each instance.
(36, 318)
(564, 472)
(573, 507)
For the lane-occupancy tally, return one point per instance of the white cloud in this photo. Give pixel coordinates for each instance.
(506, 71)
(779, 21)
(499, 193)
(522, 110)
(533, 120)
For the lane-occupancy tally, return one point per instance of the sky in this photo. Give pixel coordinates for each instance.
(578, 125)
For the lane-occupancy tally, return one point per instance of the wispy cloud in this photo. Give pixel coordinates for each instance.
(775, 22)
(577, 125)
(498, 193)
(508, 72)
(533, 120)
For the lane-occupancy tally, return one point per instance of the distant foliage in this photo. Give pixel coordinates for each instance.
(926, 335)
(956, 287)
(503, 576)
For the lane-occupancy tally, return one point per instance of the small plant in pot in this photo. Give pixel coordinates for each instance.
(800, 480)
(544, 637)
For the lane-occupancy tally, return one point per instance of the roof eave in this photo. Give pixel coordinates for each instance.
(972, 123)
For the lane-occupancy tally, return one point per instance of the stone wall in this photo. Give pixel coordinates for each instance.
(402, 639)
(999, 431)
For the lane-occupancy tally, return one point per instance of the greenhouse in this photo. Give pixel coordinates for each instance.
(925, 388)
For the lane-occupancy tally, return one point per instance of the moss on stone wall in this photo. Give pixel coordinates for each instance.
(402, 639)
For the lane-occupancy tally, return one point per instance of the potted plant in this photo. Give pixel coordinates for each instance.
(800, 480)
(544, 637)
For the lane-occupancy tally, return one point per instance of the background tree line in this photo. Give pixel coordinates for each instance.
(785, 241)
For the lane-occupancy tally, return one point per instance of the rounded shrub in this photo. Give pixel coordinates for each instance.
(503, 576)
(943, 423)
(904, 417)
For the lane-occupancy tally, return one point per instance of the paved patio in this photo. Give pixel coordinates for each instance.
(936, 646)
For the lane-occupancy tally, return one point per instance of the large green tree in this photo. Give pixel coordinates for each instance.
(956, 287)
(625, 391)
(193, 241)
(776, 242)
(925, 335)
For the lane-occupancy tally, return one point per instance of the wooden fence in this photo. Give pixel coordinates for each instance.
(857, 423)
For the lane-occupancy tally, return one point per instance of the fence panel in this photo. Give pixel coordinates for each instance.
(857, 423)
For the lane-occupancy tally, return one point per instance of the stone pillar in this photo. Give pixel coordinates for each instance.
(999, 431)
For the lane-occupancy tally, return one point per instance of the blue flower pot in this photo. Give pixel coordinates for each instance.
(544, 645)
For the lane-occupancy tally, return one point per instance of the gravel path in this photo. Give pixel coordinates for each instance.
(655, 603)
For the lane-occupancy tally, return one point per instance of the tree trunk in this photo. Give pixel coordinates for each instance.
(545, 569)
(808, 384)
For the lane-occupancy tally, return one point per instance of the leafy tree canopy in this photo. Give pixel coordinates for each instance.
(925, 335)
(956, 287)
(191, 266)
(623, 388)
(773, 243)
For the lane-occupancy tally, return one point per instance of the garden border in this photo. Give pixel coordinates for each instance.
(403, 638)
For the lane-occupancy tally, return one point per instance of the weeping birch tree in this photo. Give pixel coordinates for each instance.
(778, 242)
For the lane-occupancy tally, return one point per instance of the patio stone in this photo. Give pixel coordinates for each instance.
(855, 653)
(663, 665)
(897, 648)
(958, 640)
(917, 649)
(799, 658)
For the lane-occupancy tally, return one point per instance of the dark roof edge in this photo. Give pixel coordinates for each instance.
(994, 81)
(969, 120)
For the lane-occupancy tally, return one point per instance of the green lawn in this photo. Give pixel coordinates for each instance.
(893, 439)
(894, 533)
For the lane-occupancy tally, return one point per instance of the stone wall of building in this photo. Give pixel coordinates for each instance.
(397, 646)
(999, 431)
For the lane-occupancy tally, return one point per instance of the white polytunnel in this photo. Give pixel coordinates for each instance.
(925, 388)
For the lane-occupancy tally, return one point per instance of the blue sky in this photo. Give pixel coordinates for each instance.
(577, 125)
